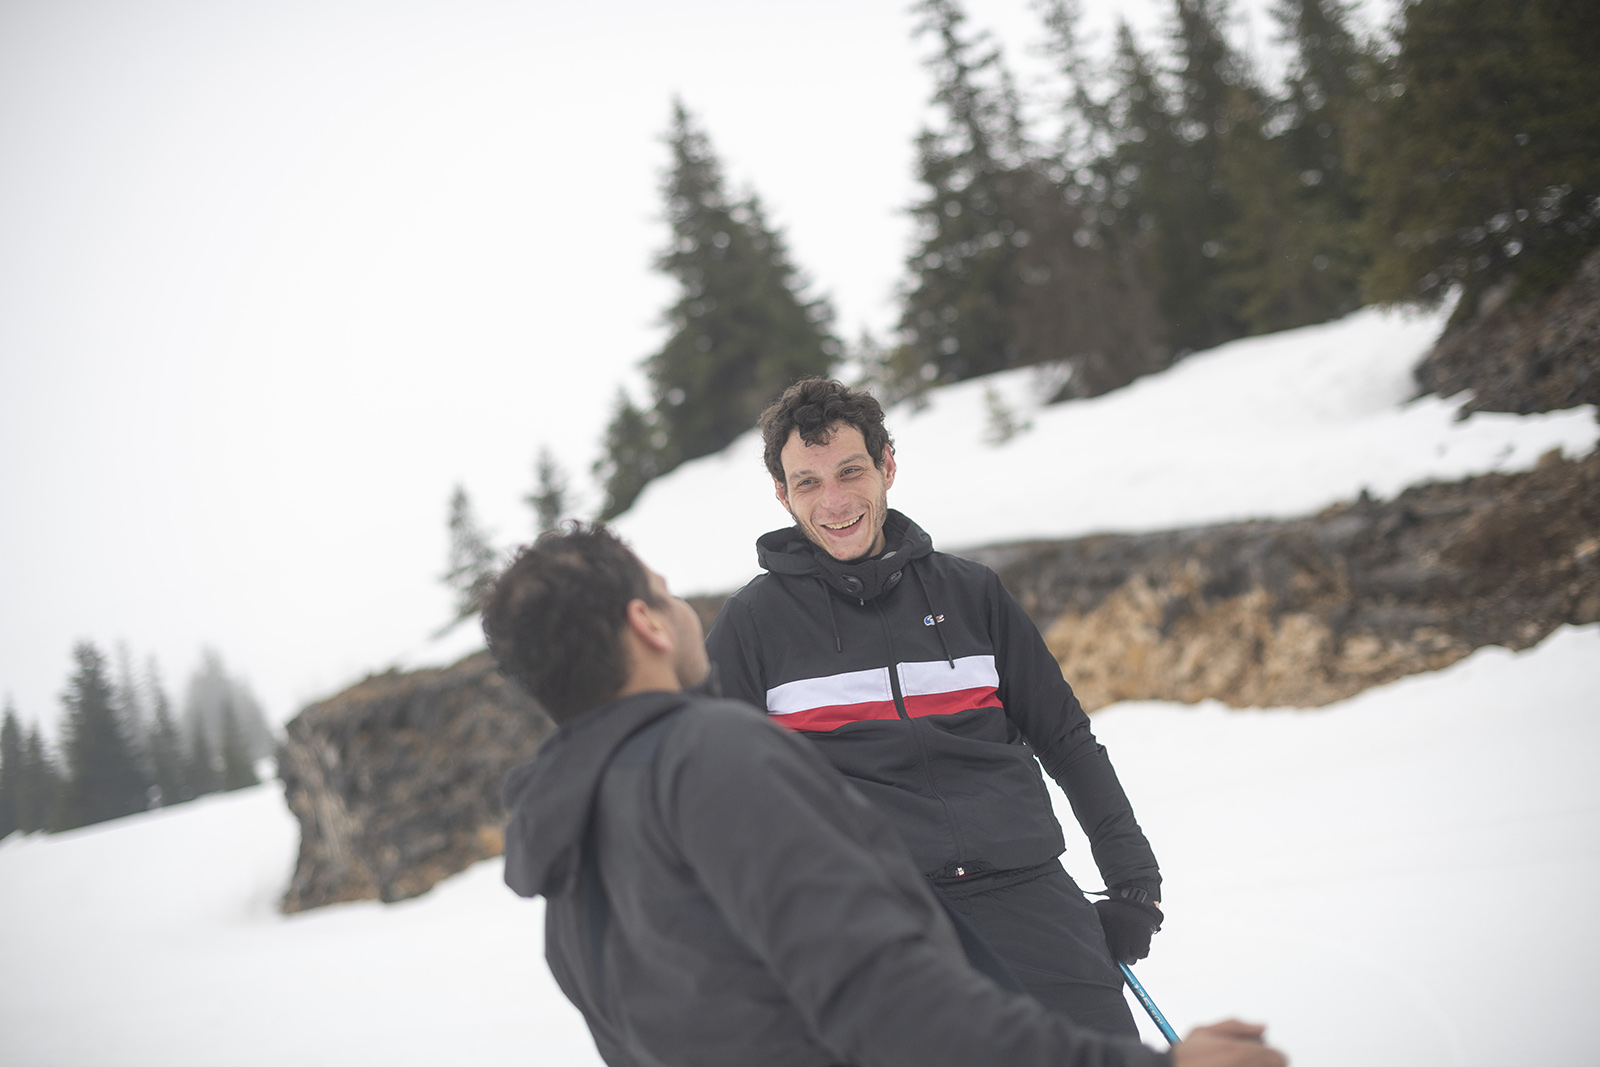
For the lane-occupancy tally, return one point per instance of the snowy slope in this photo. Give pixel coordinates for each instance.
(1275, 426)
(1399, 879)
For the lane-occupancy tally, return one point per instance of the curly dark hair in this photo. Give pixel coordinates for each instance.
(554, 619)
(814, 406)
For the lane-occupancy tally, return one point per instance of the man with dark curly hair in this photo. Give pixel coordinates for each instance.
(920, 678)
(718, 895)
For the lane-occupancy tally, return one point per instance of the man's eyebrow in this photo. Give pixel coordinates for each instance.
(858, 457)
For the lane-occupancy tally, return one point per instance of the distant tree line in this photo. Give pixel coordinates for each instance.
(123, 750)
(1166, 199)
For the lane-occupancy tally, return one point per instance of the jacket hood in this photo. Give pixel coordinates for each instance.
(550, 799)
(789, 552)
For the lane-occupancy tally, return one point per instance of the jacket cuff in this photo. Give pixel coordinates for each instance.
(1151, 886)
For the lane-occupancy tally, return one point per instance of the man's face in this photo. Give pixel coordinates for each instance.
(689, 662)
(835, 493)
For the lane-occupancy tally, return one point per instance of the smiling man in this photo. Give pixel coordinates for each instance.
(918, 676)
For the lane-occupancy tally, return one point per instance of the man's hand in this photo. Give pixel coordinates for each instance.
(1128, 927)
(1229, 1043)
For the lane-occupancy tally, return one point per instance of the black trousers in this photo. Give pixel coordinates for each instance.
(1039, 923)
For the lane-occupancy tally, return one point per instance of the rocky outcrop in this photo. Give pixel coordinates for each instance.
(1311, 611)
(396, 780)
(1535, 355)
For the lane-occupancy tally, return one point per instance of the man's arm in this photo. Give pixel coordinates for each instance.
(1039, 700)
(814, 881)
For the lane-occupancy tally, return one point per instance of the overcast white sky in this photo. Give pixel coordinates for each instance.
(274, 277)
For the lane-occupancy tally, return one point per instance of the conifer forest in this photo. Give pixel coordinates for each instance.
(1164, 198)
(124, 747)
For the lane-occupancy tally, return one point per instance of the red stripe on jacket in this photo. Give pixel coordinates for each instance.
(820, 720)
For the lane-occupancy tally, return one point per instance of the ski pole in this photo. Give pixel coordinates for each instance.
(1149, 1005)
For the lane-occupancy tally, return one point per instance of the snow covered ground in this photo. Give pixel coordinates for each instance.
(1400, 879)
(1268, 427)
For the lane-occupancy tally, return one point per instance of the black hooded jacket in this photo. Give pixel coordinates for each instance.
(718, 895)
(917, 675)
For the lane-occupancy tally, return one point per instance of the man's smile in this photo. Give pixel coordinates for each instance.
(842, 525)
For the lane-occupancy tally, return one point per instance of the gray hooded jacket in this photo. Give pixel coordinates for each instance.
(719, 895)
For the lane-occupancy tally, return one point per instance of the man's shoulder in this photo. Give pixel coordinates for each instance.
(718, 732)
(760, 594)
(754, 588)
(948, 567)
(716, 716)
(958, 563)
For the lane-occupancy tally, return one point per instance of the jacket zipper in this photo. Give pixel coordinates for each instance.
(922, 746)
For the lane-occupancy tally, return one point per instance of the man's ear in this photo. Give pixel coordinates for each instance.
(645, 623)
(781, 491)
(888, 466)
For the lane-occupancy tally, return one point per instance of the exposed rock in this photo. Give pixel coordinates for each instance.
(1311, 611)
(396, 780)
(1527, 356)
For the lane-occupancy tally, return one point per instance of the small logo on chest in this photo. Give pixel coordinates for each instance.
(930, 620)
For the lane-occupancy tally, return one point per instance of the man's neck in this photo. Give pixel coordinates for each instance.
(650, 678)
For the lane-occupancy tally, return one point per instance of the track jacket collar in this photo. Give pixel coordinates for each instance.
(789, 552)
(550, 798)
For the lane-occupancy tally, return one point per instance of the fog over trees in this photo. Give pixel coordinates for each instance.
(121, 748)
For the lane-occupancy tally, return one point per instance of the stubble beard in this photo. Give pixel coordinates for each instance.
(879, 517)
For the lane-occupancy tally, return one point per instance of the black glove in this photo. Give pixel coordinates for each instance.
(1128, 925)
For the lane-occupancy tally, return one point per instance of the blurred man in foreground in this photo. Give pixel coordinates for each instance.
(718, 894)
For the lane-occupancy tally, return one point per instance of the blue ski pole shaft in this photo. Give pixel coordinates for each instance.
(1149, 1005)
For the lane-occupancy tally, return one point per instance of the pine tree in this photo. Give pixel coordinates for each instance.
(104, 777)
(633, 452)
(1216, 96)
(1112, 179)
(1295, 252)
(966, 278)
(1483, 162)
(472, 569)
(549, 497)
(164, 743)
(237, 769)
(201, 770)
(1140, 179)
(1325, 97)
(210, 689)
(11, 770)
(128, 706)
(41, 792)
(742, 331)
